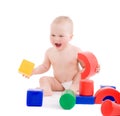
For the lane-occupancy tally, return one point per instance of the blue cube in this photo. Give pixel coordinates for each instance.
(34, 97)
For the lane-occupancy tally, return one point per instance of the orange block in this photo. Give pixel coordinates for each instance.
(86, 87)
(26, 67)
(107, 91)
(90, 62)
(110, 108)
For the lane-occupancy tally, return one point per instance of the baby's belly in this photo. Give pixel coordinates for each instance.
(64, 77)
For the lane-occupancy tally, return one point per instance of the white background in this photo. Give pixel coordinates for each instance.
(24, 33)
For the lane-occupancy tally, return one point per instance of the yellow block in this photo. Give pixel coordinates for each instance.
(26, 67)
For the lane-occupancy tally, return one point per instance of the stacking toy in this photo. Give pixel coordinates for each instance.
(34, 97)
(90, 62)
(86, 87)
(109, 92)
(26, 67)
(67, 99)
(110, 108)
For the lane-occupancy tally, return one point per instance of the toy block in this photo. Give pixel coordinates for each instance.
(67, 99)
(107, 91)
(26, 67)
(85, 99)
(34, 97)
(107, 86)
(90, 62)
(109, 108)
(86, 87)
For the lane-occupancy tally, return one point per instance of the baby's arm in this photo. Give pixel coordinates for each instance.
(44, 67)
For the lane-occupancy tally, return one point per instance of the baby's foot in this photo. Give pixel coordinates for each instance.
(75, 90)
(46, 92)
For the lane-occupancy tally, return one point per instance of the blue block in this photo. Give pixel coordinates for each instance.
(34, 97)
(85, 99)
(108, 86)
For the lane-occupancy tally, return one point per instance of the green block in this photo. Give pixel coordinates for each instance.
(67, 99)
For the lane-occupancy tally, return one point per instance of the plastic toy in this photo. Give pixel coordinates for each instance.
(86, 87)
(34, 97)
(106, 91)
(67, 99)
(26, 67)
(107, 86)
(108, 97)
(85, 99)
(86, 91)
(109, 108)
(90, 62)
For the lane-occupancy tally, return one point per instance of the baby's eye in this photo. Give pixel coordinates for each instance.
(53, 35)
(61, 36)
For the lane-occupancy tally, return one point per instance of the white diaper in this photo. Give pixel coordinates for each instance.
(67, 85)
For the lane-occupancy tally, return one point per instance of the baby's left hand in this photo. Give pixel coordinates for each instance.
(98, 69)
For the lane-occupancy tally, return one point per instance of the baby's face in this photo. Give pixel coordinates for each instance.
(60, 35)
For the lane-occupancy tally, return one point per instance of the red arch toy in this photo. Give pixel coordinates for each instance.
(90, 63)
(106, 91)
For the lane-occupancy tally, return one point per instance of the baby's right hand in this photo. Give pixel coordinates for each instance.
(26, 76)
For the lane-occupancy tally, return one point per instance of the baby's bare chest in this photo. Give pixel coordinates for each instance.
(64, 60)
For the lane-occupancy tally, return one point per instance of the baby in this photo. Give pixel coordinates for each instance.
(63, 59)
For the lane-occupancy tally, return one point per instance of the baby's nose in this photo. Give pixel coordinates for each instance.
(57, 38)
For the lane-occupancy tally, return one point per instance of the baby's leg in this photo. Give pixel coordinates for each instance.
(75, 84)
(45, 85)
(75, 87)
(50, 84)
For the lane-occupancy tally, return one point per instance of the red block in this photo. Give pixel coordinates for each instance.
(109, 108)
(107, 91)
(90, 62)
(86, 87)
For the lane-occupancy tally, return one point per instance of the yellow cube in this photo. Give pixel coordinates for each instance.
(26, 67)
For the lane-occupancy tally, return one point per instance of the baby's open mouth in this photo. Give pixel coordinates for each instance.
(58, 44)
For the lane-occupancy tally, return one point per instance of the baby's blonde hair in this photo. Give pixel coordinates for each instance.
(64, 20)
